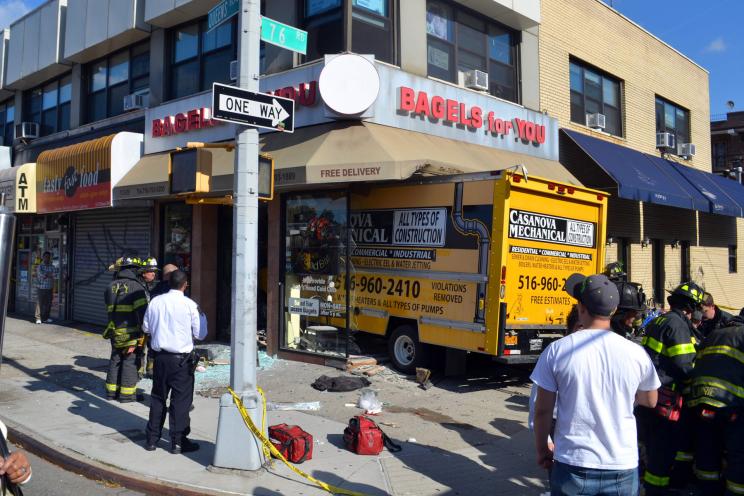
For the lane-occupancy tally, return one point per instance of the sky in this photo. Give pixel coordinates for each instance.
(710, 33)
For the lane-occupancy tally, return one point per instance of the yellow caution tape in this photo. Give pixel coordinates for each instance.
(728, 308)
(270, 448)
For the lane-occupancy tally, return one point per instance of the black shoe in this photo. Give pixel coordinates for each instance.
(110, 397)
(150, 446)
(126, 399)
(184, 446)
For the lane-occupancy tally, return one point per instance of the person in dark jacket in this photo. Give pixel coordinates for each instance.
(632, 303)
(163, 286)
(670, 342)
(713, 317)
(717, 396)
(126, 302)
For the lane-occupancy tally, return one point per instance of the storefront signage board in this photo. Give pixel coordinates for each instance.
(80, 176)
(405, 101)
(25, 194)
(283, 35)
(240, 106)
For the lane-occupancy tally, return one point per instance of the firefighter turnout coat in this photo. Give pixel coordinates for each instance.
(670, 341)
(126, 302)
(718, 378)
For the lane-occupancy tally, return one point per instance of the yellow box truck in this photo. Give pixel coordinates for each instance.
(474, 262)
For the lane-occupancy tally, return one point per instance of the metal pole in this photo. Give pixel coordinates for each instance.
(7, 233)
(236, 446)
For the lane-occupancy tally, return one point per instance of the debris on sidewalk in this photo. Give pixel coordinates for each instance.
(369, 403)
(422, 377)
(340, 384)
(300, 406)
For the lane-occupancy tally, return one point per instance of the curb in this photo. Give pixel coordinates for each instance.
(73, 461)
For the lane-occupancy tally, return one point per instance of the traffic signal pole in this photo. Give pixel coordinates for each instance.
(237, 448)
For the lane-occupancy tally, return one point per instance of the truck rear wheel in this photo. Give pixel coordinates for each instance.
(405, 350)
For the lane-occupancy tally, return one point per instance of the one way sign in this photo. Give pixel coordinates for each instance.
(241, 106)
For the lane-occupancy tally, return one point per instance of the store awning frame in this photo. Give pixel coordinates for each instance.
(342, 152)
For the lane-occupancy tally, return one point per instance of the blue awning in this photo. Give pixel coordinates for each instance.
(720, 200)
(637, 177)
(706, 197)
(732, 188)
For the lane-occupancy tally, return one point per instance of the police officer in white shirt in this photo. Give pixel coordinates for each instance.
(173, 322)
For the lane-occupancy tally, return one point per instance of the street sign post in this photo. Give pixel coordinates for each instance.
(222, 12)
(231, 104)
(283, 35)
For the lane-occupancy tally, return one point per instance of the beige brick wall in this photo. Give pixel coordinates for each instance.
(640, 267)
(591, 31)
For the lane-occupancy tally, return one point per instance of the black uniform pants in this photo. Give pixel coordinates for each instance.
(661, 438)
(171, 376)
(720, 436)
(682, 474)
(122, 375)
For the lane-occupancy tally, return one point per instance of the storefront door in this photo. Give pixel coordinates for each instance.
(315, 268)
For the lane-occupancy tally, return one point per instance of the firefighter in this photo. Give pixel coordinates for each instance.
(670, 342)
(713, 317)
(632, 304)
(148, 272)
(615, 273)
(126, 302)
(717, 397)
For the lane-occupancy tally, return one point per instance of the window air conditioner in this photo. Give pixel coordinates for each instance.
(664, 140)
(136, 101)
(596, 121)
(686, 150)
(476, 80)
(27, 130)
(234, 70)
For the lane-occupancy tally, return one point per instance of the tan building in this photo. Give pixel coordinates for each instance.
(669, 218)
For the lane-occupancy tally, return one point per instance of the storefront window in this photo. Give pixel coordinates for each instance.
(315, 317)
(177, 236)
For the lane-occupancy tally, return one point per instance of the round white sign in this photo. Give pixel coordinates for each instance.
(349, 84)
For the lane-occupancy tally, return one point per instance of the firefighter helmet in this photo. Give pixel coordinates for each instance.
(632, 296)
(688, 291)
(614, 272)
(124, 263)
(149, 264)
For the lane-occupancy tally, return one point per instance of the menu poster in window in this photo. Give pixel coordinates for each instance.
(436, 22)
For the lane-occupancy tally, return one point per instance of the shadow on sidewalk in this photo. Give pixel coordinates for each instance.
(463, 474)
(93, 406)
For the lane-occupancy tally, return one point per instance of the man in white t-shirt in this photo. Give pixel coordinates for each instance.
(597, 376)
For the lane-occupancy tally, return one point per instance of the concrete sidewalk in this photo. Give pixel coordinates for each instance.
(54, 403)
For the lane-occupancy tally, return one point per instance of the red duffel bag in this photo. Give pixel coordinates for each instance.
(292, 442)
(364, 437)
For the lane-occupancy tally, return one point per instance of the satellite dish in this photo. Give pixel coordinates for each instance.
(730, 104)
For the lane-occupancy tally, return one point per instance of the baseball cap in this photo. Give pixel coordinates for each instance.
(596, 292)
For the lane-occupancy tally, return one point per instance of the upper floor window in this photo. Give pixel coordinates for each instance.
(671, 118)
(200, 57)
(49, 106)
(459, 41)
(593, 92)
(7, 120)
(719, 155)
(110, 79)
(371, 28)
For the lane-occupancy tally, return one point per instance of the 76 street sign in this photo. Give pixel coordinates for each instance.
(231, 104)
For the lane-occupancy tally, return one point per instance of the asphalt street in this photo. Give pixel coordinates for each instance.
(50, 480)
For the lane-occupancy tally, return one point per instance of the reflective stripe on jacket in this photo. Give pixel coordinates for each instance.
(718, 378)
(126, 302)
(670, 342)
